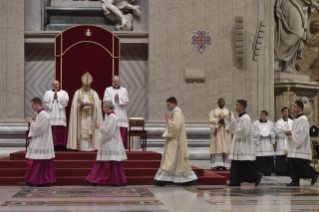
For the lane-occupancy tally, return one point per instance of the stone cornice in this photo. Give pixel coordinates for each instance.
(46, 38)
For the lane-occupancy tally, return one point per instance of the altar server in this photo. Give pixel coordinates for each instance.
(119, 97)
(85, 112)
(109, 167)
(282, 125)
(300, 149)
(175, 166)
(40, 164)
(242, 152)
(220, 136)
(291, 113)
(55, 101)
(263, 135)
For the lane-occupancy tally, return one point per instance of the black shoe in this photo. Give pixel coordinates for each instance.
(258, 180)
(116, 185)
(314, 178)
(88, 182)
(158, 183)
(215, 169)
(123, 184)
(267, 175)
(292, 184)
(44, 185)
(233, 184)
(25, 183)
(224, 168)
(190, 183)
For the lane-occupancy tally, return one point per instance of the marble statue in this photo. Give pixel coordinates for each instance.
(112, 10)
(291, 32)
(308, 109)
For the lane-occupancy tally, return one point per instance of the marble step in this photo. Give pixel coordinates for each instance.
(191, 142)
(12, 142)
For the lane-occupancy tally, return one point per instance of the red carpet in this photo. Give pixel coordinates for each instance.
(72, 167)
(225, 173)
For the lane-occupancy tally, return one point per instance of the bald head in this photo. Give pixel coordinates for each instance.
(55, 85)
(116, 81)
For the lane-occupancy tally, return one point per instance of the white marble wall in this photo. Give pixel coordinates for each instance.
(12, 61)
(39, 74)
(171, 23)
(34, 15)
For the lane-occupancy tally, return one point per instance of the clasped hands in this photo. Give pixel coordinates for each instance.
(97, 125)
(268, 136)
(288, 133)
(167, 117)
(87, 104)
(30, 120)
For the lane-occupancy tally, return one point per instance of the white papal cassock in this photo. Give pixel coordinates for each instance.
(82, 132)
(242, 152)
(264, 149)
(282, 126)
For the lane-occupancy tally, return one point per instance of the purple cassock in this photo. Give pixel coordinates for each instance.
(59, 135)
(40, 172)
(123, 131)
(109, 167)
(40, 153)
(108, 173)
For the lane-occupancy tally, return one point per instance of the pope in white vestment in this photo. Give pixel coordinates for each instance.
(242, 152)
(175, 166)
(40, 153)
(119, 97)
(109, 167)
(55, 101)
(85, 112)
(220, 136)
(263, 135)
(299, 153)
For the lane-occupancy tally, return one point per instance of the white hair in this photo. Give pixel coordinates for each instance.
(109, 104)
(115, 76)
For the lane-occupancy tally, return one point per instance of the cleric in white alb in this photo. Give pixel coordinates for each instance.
(300, 150)
(282, 125)
(55, 101)
(40, 165)
(109, 167)
(242, 151)
(263, 135)
(119, 97)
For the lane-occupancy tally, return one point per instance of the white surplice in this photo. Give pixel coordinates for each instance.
(41, 146)
(281, 127)
(56, 107)
(263, 146)
(300, 139)
(242, 146)
(120, 104)
(111, 146)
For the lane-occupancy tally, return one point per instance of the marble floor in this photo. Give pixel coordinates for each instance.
(272, 195)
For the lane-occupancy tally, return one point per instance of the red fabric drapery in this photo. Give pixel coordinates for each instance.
(86, 48)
